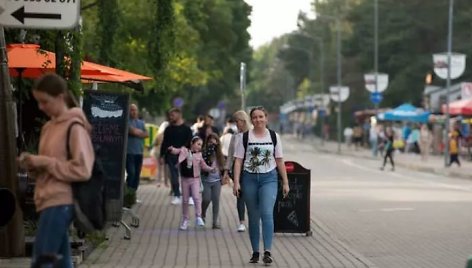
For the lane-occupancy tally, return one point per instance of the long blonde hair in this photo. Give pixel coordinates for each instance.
(242, 115)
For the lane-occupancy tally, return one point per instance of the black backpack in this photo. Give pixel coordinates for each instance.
(89, 196)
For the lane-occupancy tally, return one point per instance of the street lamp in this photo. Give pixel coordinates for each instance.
(242, 84)
(448, 66)
(375, 82)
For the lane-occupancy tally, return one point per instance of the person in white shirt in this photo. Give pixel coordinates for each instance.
(242, 123)
(225, 140)
(256, 166)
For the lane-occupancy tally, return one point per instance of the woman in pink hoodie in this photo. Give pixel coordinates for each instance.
(191, 163)
(54, 169)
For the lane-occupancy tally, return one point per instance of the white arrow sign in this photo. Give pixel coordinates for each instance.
(40, 14)
(338, 93)
(382, 82)
(457, 65)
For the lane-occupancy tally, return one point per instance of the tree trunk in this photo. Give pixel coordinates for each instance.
(12, 241)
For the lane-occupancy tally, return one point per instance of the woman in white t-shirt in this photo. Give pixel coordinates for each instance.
(259, 163)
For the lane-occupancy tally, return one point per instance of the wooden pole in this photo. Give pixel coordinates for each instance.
(12, 238)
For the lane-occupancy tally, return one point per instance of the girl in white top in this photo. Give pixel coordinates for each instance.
(259, 180)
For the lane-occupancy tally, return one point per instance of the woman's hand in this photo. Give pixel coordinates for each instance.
(236, 189)
(285, 190)
(27, 161)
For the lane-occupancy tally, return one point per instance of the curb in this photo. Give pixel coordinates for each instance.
(438, 171)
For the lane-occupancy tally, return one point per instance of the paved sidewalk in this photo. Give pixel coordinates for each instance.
(159, 243)
(434, 163)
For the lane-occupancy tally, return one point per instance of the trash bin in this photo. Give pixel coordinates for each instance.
(292, 214)
(7, 207)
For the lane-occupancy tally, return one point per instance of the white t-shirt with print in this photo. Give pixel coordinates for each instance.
(259, 153)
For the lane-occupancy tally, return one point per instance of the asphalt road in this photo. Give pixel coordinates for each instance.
(394, 219)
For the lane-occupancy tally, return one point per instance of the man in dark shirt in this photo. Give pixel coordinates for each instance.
(177, 134)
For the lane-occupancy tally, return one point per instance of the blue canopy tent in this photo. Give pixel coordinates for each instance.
(405, 112)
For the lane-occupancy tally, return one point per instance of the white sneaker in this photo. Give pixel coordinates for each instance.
(241, 228)
(184, 225)
(200, 222)
(190, 201)
(176, 200)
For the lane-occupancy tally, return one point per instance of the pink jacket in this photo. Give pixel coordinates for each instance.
(56, 171)
(197, 160)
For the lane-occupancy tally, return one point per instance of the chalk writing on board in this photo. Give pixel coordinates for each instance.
(292, 217)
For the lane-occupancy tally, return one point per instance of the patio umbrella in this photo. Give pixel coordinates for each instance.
(30, 61)
(114, 75)
(460, 107)
(405, 112)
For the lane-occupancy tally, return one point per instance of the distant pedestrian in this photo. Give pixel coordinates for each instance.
(162, 169)
(225, 140)
(348, 136)
(176, 135)
(208, 128)
(374, 140)
(213, 180)
(134, 152)
(242, 123)
(190, 162)
(198, 124)
(357, 136)
(426, 139)
(259, 162)
(389, 149)
(453, 149)
(54, 168)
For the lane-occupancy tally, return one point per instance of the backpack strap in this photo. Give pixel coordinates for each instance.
(273, 137)
(69, 129)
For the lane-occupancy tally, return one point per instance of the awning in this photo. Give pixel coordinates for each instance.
(461, 107)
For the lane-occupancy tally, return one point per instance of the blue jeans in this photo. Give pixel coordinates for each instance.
(52, 236)
(259, 191)
(134, 162)
(171, 161)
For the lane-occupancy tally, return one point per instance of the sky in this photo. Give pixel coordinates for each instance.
(272, 18)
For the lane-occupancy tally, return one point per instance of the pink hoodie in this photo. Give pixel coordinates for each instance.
(56, 171)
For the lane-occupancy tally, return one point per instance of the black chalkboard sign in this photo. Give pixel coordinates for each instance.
(108, 114)
(292, 214)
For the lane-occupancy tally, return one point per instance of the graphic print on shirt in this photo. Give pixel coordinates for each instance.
(259, 155)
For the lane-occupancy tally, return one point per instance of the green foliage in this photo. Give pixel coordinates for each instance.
(410, 31)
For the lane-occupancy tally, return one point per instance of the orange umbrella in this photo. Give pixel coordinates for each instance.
(29, 61)
(110, 74)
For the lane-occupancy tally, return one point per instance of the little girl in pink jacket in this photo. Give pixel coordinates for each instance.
(191, 162)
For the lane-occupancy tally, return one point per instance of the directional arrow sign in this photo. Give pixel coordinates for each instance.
(40, 14)
(20, 15)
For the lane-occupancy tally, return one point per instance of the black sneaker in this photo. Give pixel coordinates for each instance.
(267, 258)
(254, 258)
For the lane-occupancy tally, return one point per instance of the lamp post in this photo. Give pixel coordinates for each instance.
(242, 84)
(448, 66)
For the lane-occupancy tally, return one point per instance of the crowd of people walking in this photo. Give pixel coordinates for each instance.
(200, 162)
